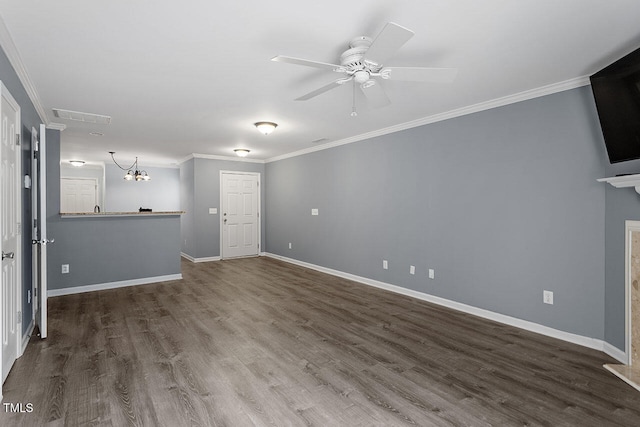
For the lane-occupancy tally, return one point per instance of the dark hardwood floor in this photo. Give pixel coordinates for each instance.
(261, 342)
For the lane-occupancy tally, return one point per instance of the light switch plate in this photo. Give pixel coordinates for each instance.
(314, 211)
(432, 274)
(213, 211)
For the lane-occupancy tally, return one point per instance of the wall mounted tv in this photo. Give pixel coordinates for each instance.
(616, 89)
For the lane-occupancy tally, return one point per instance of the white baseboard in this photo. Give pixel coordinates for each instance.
(111, 285)
(206, 259)
(593, 343)
(616, 353)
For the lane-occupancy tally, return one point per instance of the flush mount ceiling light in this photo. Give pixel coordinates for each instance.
(132, 171)
(266, 127)
(77, 163)
(242, 152)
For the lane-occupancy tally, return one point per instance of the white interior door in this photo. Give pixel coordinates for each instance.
(240, 214)
(35, 230)
(10, 241)
(78, 194)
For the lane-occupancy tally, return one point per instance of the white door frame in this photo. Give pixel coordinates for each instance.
(42, 224)
(630, 228)
(4, 93)
(259, 227)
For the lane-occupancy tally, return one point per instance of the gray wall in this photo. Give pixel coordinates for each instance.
(29, 118)
(503, 204)
(205, 227)
(103, 250)
(161, 193)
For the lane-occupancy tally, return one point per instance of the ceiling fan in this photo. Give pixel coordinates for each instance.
(363, 63)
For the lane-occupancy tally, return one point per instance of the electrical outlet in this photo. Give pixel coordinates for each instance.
(65, 268)
(289, 245)
(314, 211)
(385, 264)
(412, 269)
(547, 297)
(432, 274)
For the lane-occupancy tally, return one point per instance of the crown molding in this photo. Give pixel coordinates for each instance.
(57, 126)
(482, 106)
(214, 157)
(9, 47)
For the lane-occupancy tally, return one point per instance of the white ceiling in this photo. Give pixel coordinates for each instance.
(192, 77)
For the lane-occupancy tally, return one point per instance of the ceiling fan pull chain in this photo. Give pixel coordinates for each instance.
(353, 108)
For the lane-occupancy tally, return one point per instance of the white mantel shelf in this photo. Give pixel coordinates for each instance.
(624, 181)
(117, 214)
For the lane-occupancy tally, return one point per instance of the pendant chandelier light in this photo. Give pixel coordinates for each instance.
(133, 173)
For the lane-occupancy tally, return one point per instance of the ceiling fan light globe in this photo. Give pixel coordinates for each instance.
(361, 76)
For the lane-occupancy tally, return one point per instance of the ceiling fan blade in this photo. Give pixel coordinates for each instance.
(375, 94)
(390, 39)
(307, 63)
(419, 74)
(322, 90)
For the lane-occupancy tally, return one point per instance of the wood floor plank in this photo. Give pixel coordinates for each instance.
(258, 342)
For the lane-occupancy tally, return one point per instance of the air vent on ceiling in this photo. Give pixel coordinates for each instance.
(82, 117)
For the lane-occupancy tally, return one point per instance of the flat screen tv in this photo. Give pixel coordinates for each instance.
(616, 89)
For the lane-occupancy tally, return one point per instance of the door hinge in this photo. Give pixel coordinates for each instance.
(17, 139)
(19, 228)
(19, 319)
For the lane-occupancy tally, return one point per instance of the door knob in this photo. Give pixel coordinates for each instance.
(7, 255)
(42, 242)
